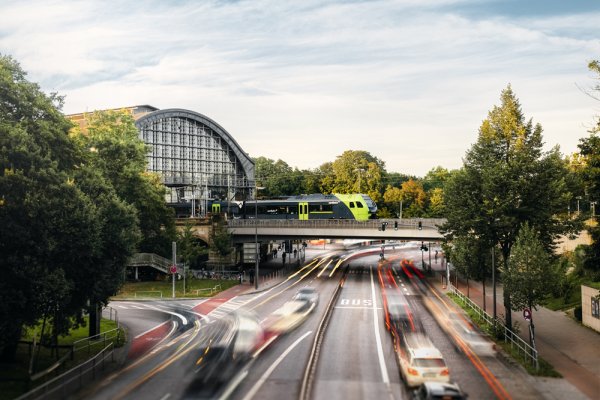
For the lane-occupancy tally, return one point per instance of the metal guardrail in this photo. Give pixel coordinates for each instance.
(74, 379)
(509, 336)
(404, 223)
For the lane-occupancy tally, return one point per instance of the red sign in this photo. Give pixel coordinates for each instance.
(527, 314)
(173, 269)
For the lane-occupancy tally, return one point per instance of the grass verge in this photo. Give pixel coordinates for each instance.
(545, 368)
(158, 289)
(14, 376)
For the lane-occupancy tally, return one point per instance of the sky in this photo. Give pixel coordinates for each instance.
(409, 81)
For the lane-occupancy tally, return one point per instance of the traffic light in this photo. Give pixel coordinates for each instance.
(420, 225)
(395, 225)
(383, 225)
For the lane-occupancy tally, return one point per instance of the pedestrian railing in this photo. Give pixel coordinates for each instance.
(64, 385)
(516, 342)
(209, 291)
(404, 223)
(101, 339)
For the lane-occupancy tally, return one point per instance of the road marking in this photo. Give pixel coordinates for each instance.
(384, 373)
(359, 307)
(166, 396)
(269, 371)
(151, 329)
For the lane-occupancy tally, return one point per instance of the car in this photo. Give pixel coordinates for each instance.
(469, 335)
(307, 294)
(438, 391)
(421, 361)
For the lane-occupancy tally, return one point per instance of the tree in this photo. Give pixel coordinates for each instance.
(357, 171)
(48, 225)
(414, 198)
(112, 146)
(469, 256)
(590, 151)
(188, 247)
(221, 241)
(507, 180)
(529, 277)
(393, 198)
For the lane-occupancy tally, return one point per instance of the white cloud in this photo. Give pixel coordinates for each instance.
(409, 81)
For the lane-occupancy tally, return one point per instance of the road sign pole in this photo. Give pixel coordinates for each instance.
(174, 269)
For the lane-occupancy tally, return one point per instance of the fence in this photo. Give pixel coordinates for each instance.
(74, 379)
(210, 291)
(523, 348)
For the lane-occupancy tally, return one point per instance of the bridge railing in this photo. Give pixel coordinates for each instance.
(404, 223)
(150, 260)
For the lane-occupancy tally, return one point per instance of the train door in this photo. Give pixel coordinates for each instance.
(303, 211)
(216, 208)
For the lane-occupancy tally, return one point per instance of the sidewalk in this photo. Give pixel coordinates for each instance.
(572, 349)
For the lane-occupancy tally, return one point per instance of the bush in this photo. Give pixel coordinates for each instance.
(577, 313)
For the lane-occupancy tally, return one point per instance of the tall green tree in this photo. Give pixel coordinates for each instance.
(506, 180)
(48, 225)
(469, 256)
(357, 171)
(112, 147)
(590, 151)
(189, 248)
(530, 274)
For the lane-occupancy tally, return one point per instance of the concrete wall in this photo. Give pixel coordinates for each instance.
(586, 307)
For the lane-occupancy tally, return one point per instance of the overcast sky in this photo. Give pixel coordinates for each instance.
(408, 80)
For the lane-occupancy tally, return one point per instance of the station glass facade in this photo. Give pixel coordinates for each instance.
(197, 159)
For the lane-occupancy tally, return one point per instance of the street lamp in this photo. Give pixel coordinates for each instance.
(256, 249)
(360, 171)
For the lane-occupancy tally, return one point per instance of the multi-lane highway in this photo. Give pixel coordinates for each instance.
(343, 348)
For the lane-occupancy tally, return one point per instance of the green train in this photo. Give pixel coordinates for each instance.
(359, 207)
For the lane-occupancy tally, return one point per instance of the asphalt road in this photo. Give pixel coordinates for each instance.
(356, 360)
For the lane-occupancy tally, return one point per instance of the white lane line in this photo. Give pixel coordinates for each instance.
(269, 371)
(384, 373)
(166, 310)
(166, 396)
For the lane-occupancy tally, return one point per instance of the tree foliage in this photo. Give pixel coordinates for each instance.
(530, 274)
(506, 180)
(63, 232)
(589, 148)
(113, 148)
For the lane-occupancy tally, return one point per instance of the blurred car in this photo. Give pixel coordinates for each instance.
(472, 338)
(421, 361)
(307, 294)
(438, 391)
(226, 345)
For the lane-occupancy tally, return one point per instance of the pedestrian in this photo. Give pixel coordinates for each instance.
(295, 253)
(283, 256)
(274, 253)
(436, 256)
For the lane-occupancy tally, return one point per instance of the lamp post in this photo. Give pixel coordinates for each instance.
(360, 171)
(256, 248)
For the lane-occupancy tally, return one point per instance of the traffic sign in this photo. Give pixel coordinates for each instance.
(527, 314)
(173, 269)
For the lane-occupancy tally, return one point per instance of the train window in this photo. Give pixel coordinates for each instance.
(351, 204)
(359, 204)
(320, 208)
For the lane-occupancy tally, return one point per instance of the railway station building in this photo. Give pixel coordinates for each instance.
(196, 158)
